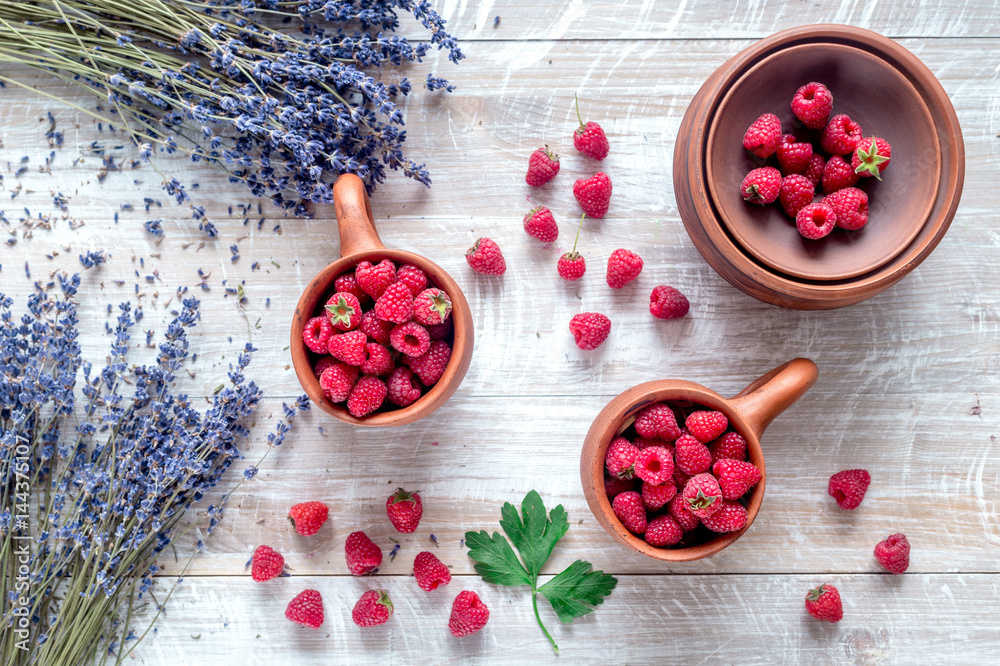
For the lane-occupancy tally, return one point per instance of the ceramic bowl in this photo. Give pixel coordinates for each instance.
(749, 414)
(359, 241)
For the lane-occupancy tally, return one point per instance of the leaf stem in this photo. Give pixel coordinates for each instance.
(576, 103)
(534, 603)
(579, 226)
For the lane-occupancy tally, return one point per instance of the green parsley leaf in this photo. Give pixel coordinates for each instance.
(577, 590)
(495, 559)
(537, 535)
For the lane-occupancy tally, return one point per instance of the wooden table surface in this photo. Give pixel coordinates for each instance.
(909, 384)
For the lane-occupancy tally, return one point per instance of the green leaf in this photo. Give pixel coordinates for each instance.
(495, 560)
(533, 533)
(577, 590)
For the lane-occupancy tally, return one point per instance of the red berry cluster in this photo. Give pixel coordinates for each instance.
(846, 157)
(383, 335)
(694, 477)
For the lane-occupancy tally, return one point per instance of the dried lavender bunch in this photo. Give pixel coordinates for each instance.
(283, 94)
(96, 476)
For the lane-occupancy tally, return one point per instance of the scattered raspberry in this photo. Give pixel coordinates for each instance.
(871, 157)
(613, 486)
(589, 138)
(440, 331)
(308, 517)
(812, 105)
(323, 364)
(344, 311)
(306, 609)
(692, 457)
(815, 221)
(375, 328)
(543, 165)
(851, 207)
(620, 459)
(430, 365)
(663, 531)
(571, 265)
(593, 194)
(706, 425)
(657, 422)
(763, 136)
(823, 603)
(373, 608)
(411, 339)
(679, 511)
(735, 477)
(378, 361)
(348, 284)
(702, 495)
(338, 380)
(589, 329)
(814, 170)
(413, 277)
(374, 278)
(761, 186)
(793, 155)
(395, 304)
(893, 553)
(631, 511)
(668, 303)
(348, 347)
(731, 446)
(430, 572)
(402, 388)
(316, 334)
(849, 487)
(431, 307)
(485, 258)
(840, 136)
(796, 193)
(655, 465)
(268, 563)
(540, 224)
(730, 517)
(367, 395)
(623, 267)
(404, 510)
(656, 497)
(363, 555)
(838, 174)
(468, 614)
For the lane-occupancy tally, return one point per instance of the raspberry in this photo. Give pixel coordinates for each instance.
(838, 174)
(348, 284)
(655, 465)
(656, 497)
(316, 334)
(623, 267)
(404, 510)
(402, 388)
(540, 224)
(367, 395)
(375, 328)
(440, 331)
(374, 278)
(620, 459)
(348, 347)
(663, 531)
(763, 136)
(543, 165)
(413, 277)
(657, 422)
(306, 609)
(589, 138)
(706, 425)
(793, 155)
(871, 157)
(323, 364)
(485, 258)
(308, 517)
(267, 564)
(373, 608)
(796, 193)
(812, 105)
(680, 477)
(849, 487)
(679, 511)
(430, 572)
(668, 303)
(593, 194)
(814, 170)
(893, 553)
(395, 304)
(614, 486)
(431, 307)
(702, 495)
(644, 442)
(735, 477)
(378, 360)
(823, 603)
(630, 510)
(691, 456)
(851, 207)
(731, 446)
(338, 380)
(430, 365)
(816, 221)
(761, 186)
(344, 311)
(589, 329)
(411, 339)
(468, 614)
(571, 265)
(840, 136)
(363, 554)
(730, 517)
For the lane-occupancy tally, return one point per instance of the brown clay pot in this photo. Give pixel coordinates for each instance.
(359, 241)
(749, 414)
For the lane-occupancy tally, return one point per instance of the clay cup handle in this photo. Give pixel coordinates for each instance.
(774, 392)
(354, 216)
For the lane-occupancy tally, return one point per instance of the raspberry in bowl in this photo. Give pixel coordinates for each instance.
(380, 337)
(675, 471)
